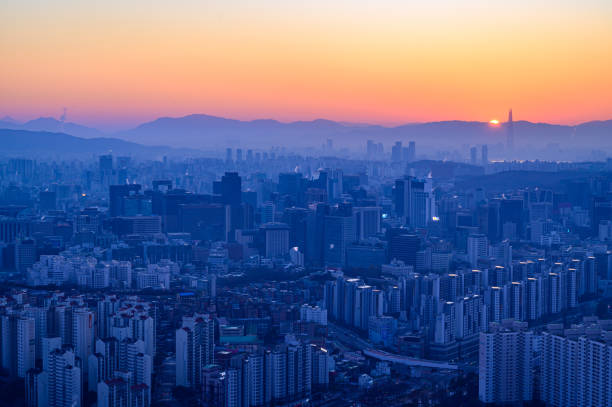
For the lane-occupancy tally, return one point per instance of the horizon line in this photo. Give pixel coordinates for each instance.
(127, 125)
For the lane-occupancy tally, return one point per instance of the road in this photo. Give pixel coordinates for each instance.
(349, 338)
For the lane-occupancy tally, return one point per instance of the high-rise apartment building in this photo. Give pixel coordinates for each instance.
(26, 345)
(506, 363)
(64, 380)
(83, 335)
(194, 349)
(576, 365)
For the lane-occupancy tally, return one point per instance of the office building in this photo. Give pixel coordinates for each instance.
(484, 155)
(25, 254)
(117, 195)
(414, 201)
(339, 233)
(367, 222)
(477, 248)
(276, 239)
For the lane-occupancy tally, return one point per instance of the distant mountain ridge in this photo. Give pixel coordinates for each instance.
(51, 124)
(42, 143)
(211, 131)
(207, 132)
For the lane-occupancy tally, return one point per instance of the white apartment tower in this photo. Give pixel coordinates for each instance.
(505, 363)
(194, 349)
(576, 366)
(26, 345)
(64, 379)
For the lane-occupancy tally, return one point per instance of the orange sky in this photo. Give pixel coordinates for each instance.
(386, 62)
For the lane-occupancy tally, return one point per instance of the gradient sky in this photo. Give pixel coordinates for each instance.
(115, 63)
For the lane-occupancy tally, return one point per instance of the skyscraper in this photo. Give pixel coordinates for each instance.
(505, 364)
(299, 376)
(9, 343)
(83, 333)
(113, 392)
(276, 366)
(403, 246)
(25, 254)
(276, 238)
(301, 225)
(64, 387)
(366, 221)
(575, 366)
(26, 345)
(477, 247)
(363, 306)
(339, 232)
(510, 130)
(267, 212)
(371, 149)
(49, 344)
(194, 349)
(485, 155)
(601, 210)
(411, 151)
(414, 201)
(291, 184)
(36, 383)
(106, 168)
(320, 366)
(117, 194)
(231, 188)
(396, 152)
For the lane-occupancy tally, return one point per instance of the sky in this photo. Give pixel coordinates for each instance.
(116, 63)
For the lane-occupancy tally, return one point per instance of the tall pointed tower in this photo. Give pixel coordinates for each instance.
(510, 129)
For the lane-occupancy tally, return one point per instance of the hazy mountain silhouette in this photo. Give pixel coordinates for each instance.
(43, 143)
(52, 125)
(207, 132)
(203, 131)
(9, 120)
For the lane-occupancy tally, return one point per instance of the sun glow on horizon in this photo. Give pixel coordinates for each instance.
(494, 122)
(116, 64)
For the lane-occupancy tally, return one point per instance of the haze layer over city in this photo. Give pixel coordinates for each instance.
(315, 204)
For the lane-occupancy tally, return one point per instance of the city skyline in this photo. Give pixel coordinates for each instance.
(305, 204)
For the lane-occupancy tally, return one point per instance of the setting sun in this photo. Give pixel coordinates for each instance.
(494, 122)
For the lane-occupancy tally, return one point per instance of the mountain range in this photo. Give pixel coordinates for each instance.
(49, 144)
(207, 132)
(204, 131)
(50, 124)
